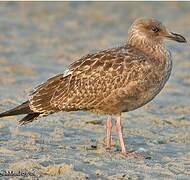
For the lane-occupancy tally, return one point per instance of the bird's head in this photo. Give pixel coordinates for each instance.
(152, 30)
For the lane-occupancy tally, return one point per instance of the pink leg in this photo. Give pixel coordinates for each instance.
(120, 133)
(122, 143)
(108, 133)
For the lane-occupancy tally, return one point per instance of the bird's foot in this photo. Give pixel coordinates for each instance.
(108, 145)
(108, 148)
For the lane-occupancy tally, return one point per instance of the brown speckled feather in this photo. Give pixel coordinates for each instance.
(42, 95)
(105, 82)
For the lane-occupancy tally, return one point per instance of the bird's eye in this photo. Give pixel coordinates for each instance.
(155, 29)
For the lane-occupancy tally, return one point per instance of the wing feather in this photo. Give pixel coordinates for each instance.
(41, 97)
(94, 78)
(89, 82)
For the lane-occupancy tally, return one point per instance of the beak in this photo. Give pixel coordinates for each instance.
(176, 37)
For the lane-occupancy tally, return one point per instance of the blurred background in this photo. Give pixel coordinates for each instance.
(39, 40)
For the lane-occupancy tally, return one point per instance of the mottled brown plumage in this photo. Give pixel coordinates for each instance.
(111, 81)
(106, 82)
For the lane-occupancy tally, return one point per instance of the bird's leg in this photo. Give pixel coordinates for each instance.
(120, 133)
(122, 143)
(108, 133)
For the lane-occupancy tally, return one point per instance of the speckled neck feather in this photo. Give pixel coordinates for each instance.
(151, 47)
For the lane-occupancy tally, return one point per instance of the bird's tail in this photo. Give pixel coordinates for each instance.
(19, 110)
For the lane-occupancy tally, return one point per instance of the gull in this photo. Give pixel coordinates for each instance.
(110, 81)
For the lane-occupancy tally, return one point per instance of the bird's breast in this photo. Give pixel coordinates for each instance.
(141, 91)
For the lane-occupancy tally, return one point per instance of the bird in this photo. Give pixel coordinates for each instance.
(109, 82)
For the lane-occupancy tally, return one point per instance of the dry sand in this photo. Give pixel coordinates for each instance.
(37, 41)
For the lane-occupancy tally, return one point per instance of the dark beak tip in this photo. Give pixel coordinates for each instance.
(179, 38)
(185, 41)
(182, 41)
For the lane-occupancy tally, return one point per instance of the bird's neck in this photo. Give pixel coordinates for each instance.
(156, 50)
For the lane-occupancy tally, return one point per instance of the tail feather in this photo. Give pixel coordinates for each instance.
(21, 109)
(28, 118)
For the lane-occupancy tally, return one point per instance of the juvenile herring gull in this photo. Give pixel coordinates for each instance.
(108, 82)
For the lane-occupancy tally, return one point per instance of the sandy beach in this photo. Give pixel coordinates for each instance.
(38, 41)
